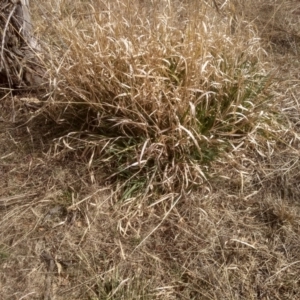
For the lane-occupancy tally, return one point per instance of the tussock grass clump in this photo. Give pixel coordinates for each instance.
(156, 92)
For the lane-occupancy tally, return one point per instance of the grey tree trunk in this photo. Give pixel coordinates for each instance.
(19, 51)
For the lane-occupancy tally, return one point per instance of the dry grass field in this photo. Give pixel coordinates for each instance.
(162, 160)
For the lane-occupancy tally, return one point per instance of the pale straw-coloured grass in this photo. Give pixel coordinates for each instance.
(154, 93)
(165, 163)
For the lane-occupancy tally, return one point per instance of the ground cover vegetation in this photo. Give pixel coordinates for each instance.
(162, 161)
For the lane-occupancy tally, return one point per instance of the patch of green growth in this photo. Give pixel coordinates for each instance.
(4, 255)
(116, 289)
(66, 198)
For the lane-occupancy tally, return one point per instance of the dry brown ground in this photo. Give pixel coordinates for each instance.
(63, 234)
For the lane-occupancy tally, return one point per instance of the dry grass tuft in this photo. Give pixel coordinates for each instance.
(154, 93)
